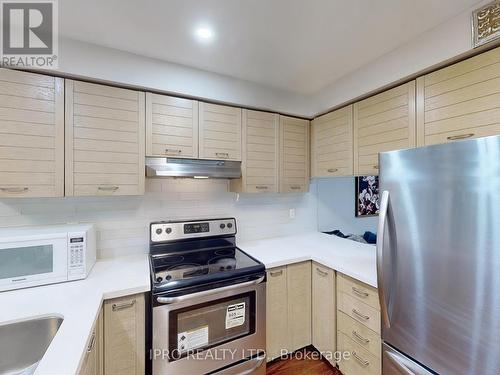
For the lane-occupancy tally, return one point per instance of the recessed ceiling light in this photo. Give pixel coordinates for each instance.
(204, 34)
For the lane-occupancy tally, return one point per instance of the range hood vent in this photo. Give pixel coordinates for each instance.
(194, 168)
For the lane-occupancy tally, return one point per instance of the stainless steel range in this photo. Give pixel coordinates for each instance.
(208, 300)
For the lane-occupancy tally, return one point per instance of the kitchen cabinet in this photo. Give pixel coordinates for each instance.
(124, 336)
(323, 310)
(276, 312)
(92, 363)
(294, 155)
(220, 132)
(171, 126)
(32, 140)
(358, 327)
(104, 140)
(260, 153)
(332, 144)
(460, 101)
(383, 122)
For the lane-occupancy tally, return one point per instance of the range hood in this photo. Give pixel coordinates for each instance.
(195, 168)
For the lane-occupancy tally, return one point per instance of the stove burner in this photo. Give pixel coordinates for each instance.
(222, 264)
(224, 252)
(170, 259)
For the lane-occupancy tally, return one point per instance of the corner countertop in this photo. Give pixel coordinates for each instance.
(79, 303)
(351, 258)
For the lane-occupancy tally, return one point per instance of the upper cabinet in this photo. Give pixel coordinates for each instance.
(294, 155)
(260, 153)
(32, 139)
(383, 122)
(331, 144)
(104, 140)
(460, 101)
(220, 132)
(171, 126)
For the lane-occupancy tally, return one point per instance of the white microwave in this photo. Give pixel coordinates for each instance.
(31, 256)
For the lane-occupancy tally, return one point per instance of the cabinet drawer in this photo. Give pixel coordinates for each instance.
(359, 333)
(360, 361)
(359, 311)
(358, 290)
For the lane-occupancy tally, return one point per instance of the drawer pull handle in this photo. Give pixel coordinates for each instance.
(261, 187)
(15, 190)
(359, 292)
(122, 306)
(359, 315)
(360, 338)
(108, 188)
(321, 272)
(276, 273)
(460, 136)
(91, 345)
(295, 187)
(332, 170)
(172, 151)
(222, 154)
(362, 362)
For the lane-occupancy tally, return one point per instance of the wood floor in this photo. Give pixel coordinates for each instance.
(301, 365)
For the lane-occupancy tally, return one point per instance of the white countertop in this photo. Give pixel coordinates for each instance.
(78, 302)
(351, 258)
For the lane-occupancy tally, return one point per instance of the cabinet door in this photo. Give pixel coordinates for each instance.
(32, 139)
(260, 153)
(276, 312)
(323, 309)
(299, 305)
(460, 101)
(220, 132)
(383, 122)
(331, 144)
(124, 340)
(104, 140)
(171, 126)
(294, 155)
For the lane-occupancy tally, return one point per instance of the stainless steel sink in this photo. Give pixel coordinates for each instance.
(23, 344)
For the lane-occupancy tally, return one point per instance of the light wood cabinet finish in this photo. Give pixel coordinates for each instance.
(359, 311)
(361, 361)
(332, 144)
(294, 155)
(124, 340)
(359, 333)
(299, 305)
(358, 290)
(260, 153)
(460, 101)
(171, 126)
(220, 132)
(32, 135)
(276, 312)
(383, 122)
(323, 309)
(92, 363)
(104, 140)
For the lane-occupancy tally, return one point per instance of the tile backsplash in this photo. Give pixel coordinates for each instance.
(122, 222)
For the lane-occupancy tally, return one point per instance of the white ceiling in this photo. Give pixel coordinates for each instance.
(300, 46)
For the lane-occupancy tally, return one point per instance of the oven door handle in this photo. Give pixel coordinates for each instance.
(170, 300)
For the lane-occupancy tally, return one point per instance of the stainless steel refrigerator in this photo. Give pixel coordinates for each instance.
(438, 259)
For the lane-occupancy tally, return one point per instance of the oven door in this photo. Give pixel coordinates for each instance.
(33, 262)
(210, 331)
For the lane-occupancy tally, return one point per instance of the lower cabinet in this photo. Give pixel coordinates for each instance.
(324, 311)
(124, 340)
(93, 360)
(288, 304)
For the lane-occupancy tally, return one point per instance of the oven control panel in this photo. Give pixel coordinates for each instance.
(173, 231)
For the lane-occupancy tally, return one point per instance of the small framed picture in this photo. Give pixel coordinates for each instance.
(367, 196)
(486, 23)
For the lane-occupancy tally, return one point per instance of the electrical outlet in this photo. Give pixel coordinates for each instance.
(291, 213)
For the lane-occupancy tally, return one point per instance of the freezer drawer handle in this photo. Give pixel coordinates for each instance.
(171, 300)
(359, 315)
(359, 292)
(362, 361)
(121, 306)
(360, 338)
(460, 136)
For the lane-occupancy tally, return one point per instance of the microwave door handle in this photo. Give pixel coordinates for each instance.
(382, 222)
(170, 300)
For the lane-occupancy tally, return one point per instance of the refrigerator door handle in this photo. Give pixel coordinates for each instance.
(382, 222)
